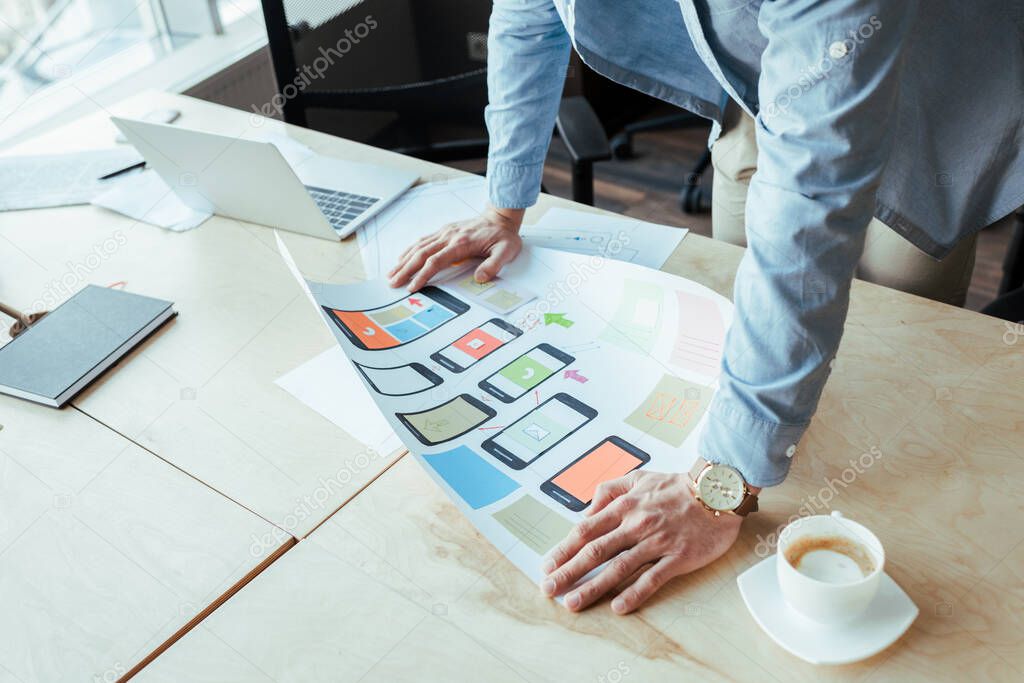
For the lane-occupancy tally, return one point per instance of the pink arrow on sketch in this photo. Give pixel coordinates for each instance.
(575, 374)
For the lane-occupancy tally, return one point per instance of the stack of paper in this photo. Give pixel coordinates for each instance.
(36, 182)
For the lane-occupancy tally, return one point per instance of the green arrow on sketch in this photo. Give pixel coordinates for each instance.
(557, 319)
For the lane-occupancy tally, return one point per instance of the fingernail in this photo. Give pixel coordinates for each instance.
(573, 601)
(547, 587)
(618, 605)
(548, 566)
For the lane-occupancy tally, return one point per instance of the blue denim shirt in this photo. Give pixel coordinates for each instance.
(909, 112)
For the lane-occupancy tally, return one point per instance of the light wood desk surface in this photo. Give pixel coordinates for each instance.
(106, 551)
(935, 390)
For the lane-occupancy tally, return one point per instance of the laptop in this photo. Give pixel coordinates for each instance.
(251, 180)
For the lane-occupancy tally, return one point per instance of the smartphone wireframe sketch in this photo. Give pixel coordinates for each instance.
(399, 322)
(575, 484)
(447, 421)
(402, 380)
(539, 430)
(476, 345)
(526, 372)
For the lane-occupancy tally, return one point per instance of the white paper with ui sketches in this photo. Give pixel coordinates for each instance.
(429, 207)
(614, 237)
(518, 417)
(36, 182)
(422, 210)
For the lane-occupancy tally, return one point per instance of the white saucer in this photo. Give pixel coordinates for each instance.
(888, 616)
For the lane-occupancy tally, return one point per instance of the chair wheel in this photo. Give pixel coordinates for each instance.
(622, 146)
(693, 201)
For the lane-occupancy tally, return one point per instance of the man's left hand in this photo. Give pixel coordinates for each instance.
(645, 519)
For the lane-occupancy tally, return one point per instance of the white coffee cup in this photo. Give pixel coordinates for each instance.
(837, 599)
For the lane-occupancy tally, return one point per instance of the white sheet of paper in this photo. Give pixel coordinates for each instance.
(146, 197)
(36, 182)
(429, 207)
(330, 385)
(614, 237)
(420, 211)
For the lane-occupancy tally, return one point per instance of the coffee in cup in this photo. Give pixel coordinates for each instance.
(829, 567)
(830, 558)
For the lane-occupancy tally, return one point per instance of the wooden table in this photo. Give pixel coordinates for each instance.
(106, 551)
(397, 583)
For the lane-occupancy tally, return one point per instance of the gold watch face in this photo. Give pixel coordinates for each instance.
(721, 487)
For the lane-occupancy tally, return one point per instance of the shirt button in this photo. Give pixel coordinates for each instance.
(837, 50)
(791, 451)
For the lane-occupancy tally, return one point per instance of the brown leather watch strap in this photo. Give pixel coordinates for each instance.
(748, 505)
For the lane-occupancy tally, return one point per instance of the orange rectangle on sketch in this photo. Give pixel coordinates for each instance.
(370, 333)
(477, 344)
(606, 462)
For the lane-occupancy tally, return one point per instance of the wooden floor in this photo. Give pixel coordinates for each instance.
(647, 187)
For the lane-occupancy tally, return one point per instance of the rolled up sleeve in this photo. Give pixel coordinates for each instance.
(528, 52)
(827, 93)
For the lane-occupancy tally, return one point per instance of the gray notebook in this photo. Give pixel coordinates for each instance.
(73, 344)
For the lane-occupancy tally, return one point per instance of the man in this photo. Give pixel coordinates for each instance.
(884, 133)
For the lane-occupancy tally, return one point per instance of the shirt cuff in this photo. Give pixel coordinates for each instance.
(513, 186)
(762, 451)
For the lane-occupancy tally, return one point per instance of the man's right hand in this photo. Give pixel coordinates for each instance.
(493, 236)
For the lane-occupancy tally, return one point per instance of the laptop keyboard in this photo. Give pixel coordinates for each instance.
(340, 208)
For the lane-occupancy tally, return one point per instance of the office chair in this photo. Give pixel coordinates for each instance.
(693, 198)
(404, 75)
(1009, 303)
(625, 112)
(1013, 263)
(397, 74)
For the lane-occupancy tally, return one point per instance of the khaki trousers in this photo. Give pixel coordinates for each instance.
(888, 258)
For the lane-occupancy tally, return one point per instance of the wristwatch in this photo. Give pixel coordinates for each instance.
(721, 488)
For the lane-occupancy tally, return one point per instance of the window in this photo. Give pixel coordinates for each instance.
(46, 43)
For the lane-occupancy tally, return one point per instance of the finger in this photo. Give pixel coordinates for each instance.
(646, 585)
(502, 253)
(415, 262)
(584, 532)
(418, 244)
(609, 491)
(592, 555)
(410, 251)
(434, 265)
(620, 568)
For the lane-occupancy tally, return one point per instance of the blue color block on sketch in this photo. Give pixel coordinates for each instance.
(406, 330)
(477, 482)
(433, 316)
